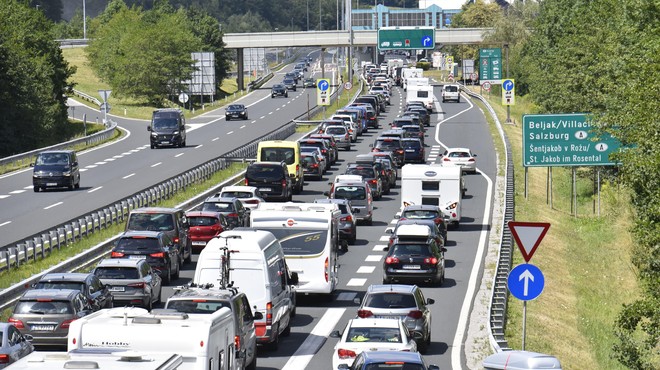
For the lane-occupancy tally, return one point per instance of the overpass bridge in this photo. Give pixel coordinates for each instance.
(334, 39)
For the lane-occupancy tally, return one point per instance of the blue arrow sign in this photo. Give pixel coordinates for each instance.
(526, 282)
(507, 85)
(323, 85)
(426, 40)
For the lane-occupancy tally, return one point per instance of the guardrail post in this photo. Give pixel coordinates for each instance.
(68, 234)
(4, 256)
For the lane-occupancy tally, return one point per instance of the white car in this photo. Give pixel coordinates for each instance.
(461, 157)
(370, 335)
(248, 195)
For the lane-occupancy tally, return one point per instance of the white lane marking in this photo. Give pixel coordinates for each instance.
(230, 132)
(91, 166)
(216, 139)
(156, 164)
(5, 223)
(242, 127)
(4, 196)
(366, 269)
(379, 248)
(356, 282)
(262, 117)
(29, 187)
(99, 163)
(127, 176)
(384, 238)
(269, 113)
(394, 221)
(255, 121)
(345, 296)
(136, 150)
(314, 340)
(118, 156)
(277, 109)
(199, 146)
(83, 169)
(108, 159)
(53, 205)
(17, 191)
(95, 189)
(373, 258)
(179, 155)
(125, 153)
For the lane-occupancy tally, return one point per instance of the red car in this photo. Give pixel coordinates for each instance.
(204, 226)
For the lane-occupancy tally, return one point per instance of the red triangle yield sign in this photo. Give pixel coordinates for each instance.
(528, 236)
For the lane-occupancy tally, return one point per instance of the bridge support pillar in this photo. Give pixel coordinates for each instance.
(240, 82)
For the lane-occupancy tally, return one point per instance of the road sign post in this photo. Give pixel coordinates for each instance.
(323, 91)
(394, 38)
(525, 282)
(105, 107)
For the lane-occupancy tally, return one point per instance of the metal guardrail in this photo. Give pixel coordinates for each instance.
(87, 97)
(499, 291)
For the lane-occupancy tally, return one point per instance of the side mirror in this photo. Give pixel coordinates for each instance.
(294, 278)
(326, 193)
(443, 249)
(258, 316)
(430, 301)
(389, 231)
(335, 334)
(474, 155)
(148, 128)
(434, 367)
(356, 300)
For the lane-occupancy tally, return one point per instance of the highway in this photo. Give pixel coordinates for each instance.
(308, 346)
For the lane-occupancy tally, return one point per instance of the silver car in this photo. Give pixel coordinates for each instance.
(131, 281)
(341, 135)
(14, 345)
(405, 302)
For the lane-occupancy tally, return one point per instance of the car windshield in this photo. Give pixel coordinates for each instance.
(393, 365)
(335, 130)
(389, 335)
(350, 193)
(218, 207)
(458, 155)
(365, 172)
(309, 159)
(52, 159)
(388, 144)
(420, 214)
(268, 173)
(119, 273)
(390, 300)
(43, 307)
(235, 107)
(138, 244)
(150, 221)
(73, 285)
(412, 144)
(202, 221)
(197, 305)
(451, 88)
(236, 194)
(288, 155)
(410, 250)
(165, 123)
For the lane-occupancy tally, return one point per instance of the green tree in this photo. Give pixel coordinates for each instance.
(33, 79)
(474, 14)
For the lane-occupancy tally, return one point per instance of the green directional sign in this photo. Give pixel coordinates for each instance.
(395, 38)
(490, 66)
(558, 140)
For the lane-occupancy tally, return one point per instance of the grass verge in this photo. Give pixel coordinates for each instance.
(585, 260)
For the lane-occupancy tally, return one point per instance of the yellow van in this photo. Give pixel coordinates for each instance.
(287, 152)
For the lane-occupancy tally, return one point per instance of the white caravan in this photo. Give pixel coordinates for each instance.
(206, 342)
(432, 184)
(257, 268)
(410, 72)
(309, 235)
(104, 359)
(423, 93)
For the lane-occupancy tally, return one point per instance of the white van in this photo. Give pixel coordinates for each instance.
(309, 234)
(105, 359)
(206, 342)
(432, 184)
(257, 268)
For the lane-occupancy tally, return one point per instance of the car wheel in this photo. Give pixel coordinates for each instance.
(246, 117)
(77, 185)
(272, 96)
(386, 281)
(167, 277)
(287, 331)
(422, 346)
(227, 118)
(369, 222)
(150, 304)
(252, 365)
(189, 258)
(353, 237)
(152, 146)
(72, 185)
(178, 271)
(35, 188)
(275, 344)
(183, 143)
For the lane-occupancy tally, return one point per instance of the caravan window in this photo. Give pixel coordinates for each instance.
(422, 94)
(431, 201)
(430, 185)
(300, 242)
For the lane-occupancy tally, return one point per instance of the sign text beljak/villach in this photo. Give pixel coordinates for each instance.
(543, 125)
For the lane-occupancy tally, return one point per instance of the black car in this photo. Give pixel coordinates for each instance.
(173, 221)
(290, 83)
(97, 294)
(272, 179)
(309, 82)
(236, 111)
(279, 90)
(293, 75)
(414, 150)
(390, 144)
(424, 115)
(156, 247)
(413, 131)
(232, 208)
(415, 258)
(312, 166)
(323, 146)
(54, 169)
(167, 128)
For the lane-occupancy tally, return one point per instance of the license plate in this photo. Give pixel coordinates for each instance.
(164, 142)
(43, 327)
(116, 289)
(266, 189)
(137, 257)
(51, 184)
(198, 243)
(411, 267)
(410, 150)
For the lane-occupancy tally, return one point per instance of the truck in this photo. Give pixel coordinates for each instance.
(206, 342)
(432, 184)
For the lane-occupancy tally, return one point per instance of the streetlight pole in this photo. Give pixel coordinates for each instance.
(84, 20)
(307, 15)
(319, 15)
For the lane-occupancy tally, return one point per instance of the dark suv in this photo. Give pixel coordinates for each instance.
(168, 128)
(415, 255)
(171, 220)
(156, 247)
(390, 144)
(207, 300)
(54, 169)
(279, 90)
(271, 178)
(97, 294)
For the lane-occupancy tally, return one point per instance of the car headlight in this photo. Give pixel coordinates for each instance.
(175, 133)
(154, 134)
(66, 173)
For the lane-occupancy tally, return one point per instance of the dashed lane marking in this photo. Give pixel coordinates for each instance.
(366, 269)
(373, 258)
(356, 282)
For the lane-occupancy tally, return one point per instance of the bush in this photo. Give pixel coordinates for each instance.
(423, 65)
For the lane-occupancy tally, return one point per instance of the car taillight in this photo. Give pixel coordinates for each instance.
(4, 358)
(400, 151)
(345, 353)
(375, 150)
(297, 168)
(252, 201)
(269, 313)
(391, 260)
(437, 220)
(315, 165)
(471, 160)
(16, 322)
(445, 159)
(232, 215)
(416, 314)
(284, 183)
(431, 260)
(66, 323)
(346, 137)
(363, 314)
(246, 182)
(373, 181)
(217, 229)
(237, 342)
(324, 151)
(348, 218)
(137, 285)
(116, 254)
(327, 264)
(158, 255)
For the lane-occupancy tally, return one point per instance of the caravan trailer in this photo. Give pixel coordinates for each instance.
(432, 184)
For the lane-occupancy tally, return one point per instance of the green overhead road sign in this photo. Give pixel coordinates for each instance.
(561, 140)
(394, 38)
(490, 66)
